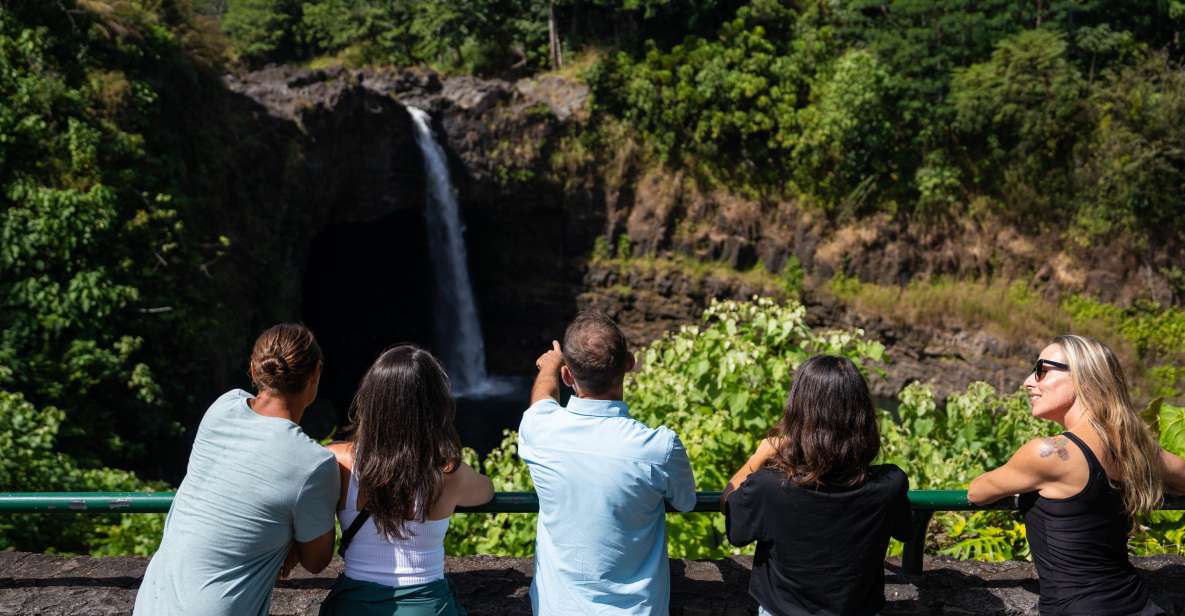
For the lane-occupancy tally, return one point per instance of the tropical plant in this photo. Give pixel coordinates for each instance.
(30, 462)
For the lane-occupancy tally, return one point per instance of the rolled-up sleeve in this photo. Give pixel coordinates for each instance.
(680, 482)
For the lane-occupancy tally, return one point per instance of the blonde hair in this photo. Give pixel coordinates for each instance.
(1101, 387)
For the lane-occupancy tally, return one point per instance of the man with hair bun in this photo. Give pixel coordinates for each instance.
(257, 489)
(603, 480)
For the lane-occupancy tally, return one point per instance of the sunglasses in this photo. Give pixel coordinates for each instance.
(1044, 365)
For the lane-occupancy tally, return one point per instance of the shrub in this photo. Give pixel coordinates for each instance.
(31, 463)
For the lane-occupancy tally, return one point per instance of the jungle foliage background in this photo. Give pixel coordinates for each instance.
(1062, 114)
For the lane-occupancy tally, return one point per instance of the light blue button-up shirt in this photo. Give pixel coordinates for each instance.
(602, 480)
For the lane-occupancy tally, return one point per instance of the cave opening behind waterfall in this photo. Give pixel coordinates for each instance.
(367, 286)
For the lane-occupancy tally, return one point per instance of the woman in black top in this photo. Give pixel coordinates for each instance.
(820, 512)
(1080, 489)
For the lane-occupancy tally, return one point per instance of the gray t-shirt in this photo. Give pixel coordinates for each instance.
(254, 484)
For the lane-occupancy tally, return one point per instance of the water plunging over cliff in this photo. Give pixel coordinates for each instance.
(458, 331)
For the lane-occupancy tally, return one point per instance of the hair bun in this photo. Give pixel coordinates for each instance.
(284, 358)
(271, 366)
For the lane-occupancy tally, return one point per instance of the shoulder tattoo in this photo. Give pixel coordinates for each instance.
(1055, 445)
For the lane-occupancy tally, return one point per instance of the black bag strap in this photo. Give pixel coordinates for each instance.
(348, 534)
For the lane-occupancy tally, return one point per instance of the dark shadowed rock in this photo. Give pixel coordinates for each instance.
(47, 585)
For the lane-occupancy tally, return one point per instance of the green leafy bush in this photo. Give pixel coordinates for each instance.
(1024, 104)
(102, 253)
(721, 386)
(505, 534)
(1163, 532)
(31, 463)
(262, 30)
(947, 447)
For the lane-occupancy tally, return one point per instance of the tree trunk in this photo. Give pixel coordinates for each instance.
(553, 38)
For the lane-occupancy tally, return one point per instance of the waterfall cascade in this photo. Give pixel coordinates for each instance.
(458, 331)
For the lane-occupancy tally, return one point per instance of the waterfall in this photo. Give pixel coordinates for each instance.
(458, 334)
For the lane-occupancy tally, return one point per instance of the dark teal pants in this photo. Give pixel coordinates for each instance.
(352, 597)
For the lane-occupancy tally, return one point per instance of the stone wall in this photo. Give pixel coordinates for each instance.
(48, 585)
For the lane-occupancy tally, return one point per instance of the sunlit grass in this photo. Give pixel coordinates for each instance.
(576, 65)
(1010, 310)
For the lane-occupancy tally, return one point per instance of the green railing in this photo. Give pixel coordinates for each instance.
(923, 502)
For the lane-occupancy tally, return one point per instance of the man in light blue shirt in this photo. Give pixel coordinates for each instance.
(603, 481)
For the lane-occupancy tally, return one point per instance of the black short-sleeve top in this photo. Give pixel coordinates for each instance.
(819, 551)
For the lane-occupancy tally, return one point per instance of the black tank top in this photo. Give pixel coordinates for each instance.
(1079, 546)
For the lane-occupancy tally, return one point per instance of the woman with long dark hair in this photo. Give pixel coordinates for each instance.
(820, 511)
(402, 477)
(1080, 490)
(256, 488)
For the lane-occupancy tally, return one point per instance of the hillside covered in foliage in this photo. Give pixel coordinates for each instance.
(1052, 114)
(118, 200)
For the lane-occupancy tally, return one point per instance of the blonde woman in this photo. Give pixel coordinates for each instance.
(1079, 490)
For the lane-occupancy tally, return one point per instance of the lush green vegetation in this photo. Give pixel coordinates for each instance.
(1063, 115)
(721, 386)
(102, 306)
(473, 36)
(1059, 113)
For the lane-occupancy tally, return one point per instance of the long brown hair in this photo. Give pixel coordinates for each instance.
(1101, 386)
(828, 434)
(403, 435)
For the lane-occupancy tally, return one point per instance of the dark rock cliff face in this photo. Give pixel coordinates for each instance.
(342, 171)
(352, 157)
(314, 162)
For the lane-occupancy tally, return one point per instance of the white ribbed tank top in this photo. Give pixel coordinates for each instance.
(416, 559)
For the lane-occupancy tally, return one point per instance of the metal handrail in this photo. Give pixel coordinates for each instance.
(922, 502)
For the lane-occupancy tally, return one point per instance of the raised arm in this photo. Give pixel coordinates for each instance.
(765, 450)
(547, 382)
(1036, 464)
(1174, 473)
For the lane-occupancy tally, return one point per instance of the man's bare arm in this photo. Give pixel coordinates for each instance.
(547, 382)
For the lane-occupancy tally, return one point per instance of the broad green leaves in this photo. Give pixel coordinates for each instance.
(719, 385)
(93, 238)
(1172, 428)
(506, 534)
(722, 384)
